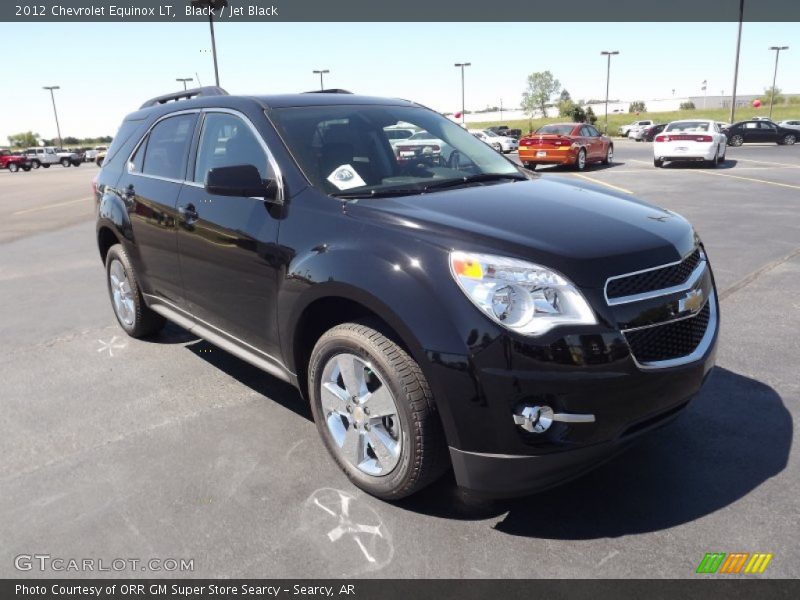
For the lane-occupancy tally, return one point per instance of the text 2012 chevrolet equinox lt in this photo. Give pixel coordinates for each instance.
(439, 306)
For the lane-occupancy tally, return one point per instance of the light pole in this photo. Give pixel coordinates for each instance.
(775, 75)
(184, 80)
(55, 112)
(609, 54)
(501, 109)
(705, 92)
(212, 5)
(736, 64)
(463, 109)
(321, 72)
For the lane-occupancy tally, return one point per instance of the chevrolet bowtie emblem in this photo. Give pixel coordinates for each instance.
(692, 301)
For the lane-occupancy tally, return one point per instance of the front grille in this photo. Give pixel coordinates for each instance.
(670, 340)
(657, 279)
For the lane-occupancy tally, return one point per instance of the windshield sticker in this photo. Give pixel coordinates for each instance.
(345, 177)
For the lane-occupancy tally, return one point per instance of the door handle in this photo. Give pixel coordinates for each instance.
(188, 212)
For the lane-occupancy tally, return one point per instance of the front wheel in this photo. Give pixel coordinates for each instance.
(133, 315)
(35, 164)
(736, 140)
(609, 155)
(13, 167)
(374, 411)
(46, 166)
(790, 139)
(65, 162)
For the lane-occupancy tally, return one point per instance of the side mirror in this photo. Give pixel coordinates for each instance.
(242, 181)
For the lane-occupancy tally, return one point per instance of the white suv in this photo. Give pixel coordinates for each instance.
(42, 156)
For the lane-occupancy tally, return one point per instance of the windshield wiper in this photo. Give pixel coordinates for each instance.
(380, 193)
(481, 177)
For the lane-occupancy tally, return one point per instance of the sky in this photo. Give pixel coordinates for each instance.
(106, 70)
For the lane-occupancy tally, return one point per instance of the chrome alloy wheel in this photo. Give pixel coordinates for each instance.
(361, 414)
(121, 293)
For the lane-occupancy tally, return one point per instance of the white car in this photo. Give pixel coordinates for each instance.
(690, 140)
(396, 135)
(791, 124)
(501, 143)
(423, 145)
(625, 130)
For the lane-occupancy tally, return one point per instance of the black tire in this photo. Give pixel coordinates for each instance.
(789, 139)
(145, 321)
(46, 166)
(530, 166)
(658, 163)
(736, 140)
(35, 164)
(609, 155)
(13, 167)
(26, 168)
(580, 165)
(65, 162)
(99, 162)
(423, 453)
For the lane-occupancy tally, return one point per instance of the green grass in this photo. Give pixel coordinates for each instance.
(615, 120)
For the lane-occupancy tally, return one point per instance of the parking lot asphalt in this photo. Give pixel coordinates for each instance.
(171, 448)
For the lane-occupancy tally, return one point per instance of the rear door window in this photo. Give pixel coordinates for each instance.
(168, 146)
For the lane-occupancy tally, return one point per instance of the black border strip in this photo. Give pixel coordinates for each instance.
(407, 11)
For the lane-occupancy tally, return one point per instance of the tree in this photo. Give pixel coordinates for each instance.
(564, 96)
(25, 139)
(565, 108)
(577, 114)
(637, 106)
(590, 116)
(768, 92)
(541, 87)
(688, 105)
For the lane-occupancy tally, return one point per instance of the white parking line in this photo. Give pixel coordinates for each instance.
(766, 162)
(48, 206)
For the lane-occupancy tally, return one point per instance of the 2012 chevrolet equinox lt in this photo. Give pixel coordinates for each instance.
(438, 305)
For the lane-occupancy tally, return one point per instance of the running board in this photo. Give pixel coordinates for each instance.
(223, 340)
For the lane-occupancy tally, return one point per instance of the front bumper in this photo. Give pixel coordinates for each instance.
(592, 371)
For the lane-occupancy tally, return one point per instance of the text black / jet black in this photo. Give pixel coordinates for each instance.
(439, 305)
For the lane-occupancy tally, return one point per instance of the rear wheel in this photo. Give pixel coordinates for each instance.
(46, 166)
(35, 164)
(529, 165)
(498, 147)
(657, 162)
(374, 411)
(132, 313)
(26, 168)
(580, 161)
(736, 140)
(790, 139)
(65, 162)
(99, 162)
(13, 167)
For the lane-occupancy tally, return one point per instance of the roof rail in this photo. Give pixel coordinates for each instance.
(210, 90)
(330, 91)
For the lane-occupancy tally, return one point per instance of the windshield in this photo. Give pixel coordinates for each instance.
(345, 150)
(555, 130)
(688, 126)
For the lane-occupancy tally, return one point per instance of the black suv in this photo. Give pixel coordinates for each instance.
(450, 310)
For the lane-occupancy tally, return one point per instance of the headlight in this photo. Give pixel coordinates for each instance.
(519, 295)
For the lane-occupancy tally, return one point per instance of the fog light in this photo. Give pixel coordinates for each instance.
(538, 419)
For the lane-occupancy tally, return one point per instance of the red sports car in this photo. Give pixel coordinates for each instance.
(577, 144)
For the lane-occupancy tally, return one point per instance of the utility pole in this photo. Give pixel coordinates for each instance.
(736, 64)
(463, 105)
(609, 54)
(212, 5)
(55, 112)
(321, 72)
(705, 92)
(775, 75)
(501, 109)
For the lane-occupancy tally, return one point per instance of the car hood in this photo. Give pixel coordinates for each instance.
(584, 232)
